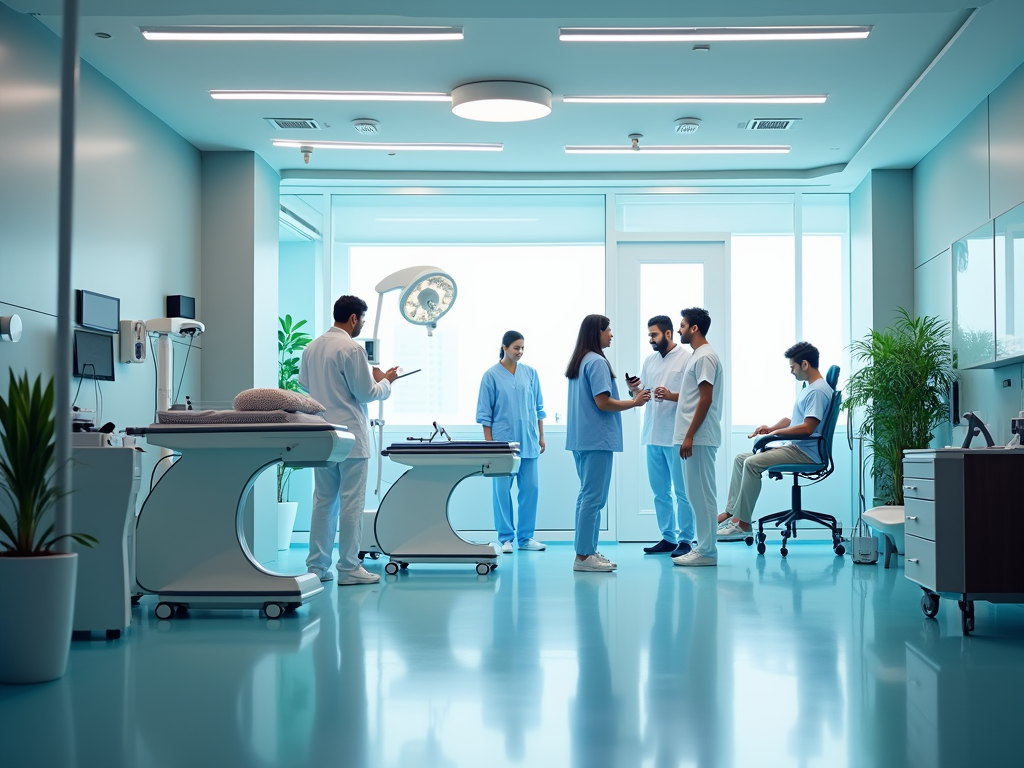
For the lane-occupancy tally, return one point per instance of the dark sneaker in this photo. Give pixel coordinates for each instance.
(662, 547)
(682, 548)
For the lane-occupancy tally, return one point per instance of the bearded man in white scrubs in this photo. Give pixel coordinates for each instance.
(335, 371)
(662, 373)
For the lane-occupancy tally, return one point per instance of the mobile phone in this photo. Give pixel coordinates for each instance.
(410, 373)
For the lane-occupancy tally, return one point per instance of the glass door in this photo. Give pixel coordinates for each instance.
(661, 278)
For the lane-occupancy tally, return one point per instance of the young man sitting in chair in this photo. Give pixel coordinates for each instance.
(808, 413)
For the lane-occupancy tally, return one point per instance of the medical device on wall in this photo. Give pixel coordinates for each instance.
(98, 312)
(428, 294)
(10, 328)
(133, 341)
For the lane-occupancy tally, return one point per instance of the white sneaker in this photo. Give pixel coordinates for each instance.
(602, 558)
(694, 558)
(592, 563)
(731, 531)
(506, 547)
(327, 575)
(531, 545)
(357, 576)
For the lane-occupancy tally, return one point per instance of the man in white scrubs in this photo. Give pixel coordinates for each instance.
(699, 432)
(661, 373)
(335, 372)
(808, 414)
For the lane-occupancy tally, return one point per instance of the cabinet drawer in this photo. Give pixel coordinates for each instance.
(925, 469)
(919, 517)
(918, 488)
(920, 561)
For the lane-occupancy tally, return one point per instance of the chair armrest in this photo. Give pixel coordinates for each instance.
(763, 442)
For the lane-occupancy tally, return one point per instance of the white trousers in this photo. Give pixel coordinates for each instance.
(747, 468)
(338, 499)
(699, 475)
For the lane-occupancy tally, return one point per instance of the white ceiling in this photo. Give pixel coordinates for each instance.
(891, 96)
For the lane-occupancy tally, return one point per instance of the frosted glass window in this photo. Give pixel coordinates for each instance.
(541, 291)
(754, 214)
(665, 289)
(974, 315)
(1009, 253)
(763, 298)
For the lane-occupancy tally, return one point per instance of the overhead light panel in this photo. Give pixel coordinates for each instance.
(501, 101)
(690, 149)
(391, 146)
(819, 98)
(331, 96)
(707, 34)
(325, 33)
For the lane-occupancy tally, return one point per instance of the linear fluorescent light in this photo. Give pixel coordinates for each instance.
(459, 219)
(706, 34)
(332, 96)
(392, 147)
(294, 33)
(809, 99)
(691, 149)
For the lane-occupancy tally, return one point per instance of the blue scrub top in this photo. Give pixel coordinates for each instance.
(511, 405)
(587, 427)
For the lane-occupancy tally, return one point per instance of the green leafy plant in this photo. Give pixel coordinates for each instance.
(902, 388)
(26, 477)
(290, 342)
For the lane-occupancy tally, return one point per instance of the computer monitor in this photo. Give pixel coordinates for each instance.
(96, 311)
(94, 356)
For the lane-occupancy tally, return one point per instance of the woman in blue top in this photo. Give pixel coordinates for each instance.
(511, 409)
(593, 432)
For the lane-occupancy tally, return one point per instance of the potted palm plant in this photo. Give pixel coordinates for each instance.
(37, 585)
(290, 342)
(901, 390)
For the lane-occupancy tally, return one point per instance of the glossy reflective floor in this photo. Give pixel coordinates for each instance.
(809, 661)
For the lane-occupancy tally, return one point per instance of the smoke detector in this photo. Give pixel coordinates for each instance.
(365, 125)
(687, 124)
(293, 123)
(771, 124)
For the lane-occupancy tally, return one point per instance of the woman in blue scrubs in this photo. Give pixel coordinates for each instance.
(593, 432)
(511, 409)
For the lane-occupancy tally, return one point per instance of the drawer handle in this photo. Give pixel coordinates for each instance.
(913, 560)
(911, 517)
(909, 487)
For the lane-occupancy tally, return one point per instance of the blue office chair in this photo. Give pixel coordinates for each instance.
(813, 472)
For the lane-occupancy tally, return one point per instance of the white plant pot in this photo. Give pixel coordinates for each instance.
(286, 511)
(37, 606)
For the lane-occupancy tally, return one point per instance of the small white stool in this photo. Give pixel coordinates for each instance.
(888, 521)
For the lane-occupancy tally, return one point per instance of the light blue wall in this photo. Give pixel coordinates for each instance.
(136, 216)
(973, 175)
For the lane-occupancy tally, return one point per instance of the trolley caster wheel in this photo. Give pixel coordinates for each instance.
(483, 569)
(164, 610)
(362, 554)
(292, 607)
(966, 616)
(404, 566)
(494, 566)
(749, 541)
(762, 538)
(760, 548)
(783, 551)
(930, 605)
(375, 555)
(391, 569)
(273, 610)
(840, 549)
(136, 599)
(113, 634)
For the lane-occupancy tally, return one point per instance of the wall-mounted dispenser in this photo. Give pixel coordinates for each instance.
(133, 341)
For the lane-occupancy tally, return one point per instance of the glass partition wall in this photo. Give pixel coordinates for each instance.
(537, 262)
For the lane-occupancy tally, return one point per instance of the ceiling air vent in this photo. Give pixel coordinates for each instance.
(293, 123)
(773, 124)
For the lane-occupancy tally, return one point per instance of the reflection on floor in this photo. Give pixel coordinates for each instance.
(809, 661)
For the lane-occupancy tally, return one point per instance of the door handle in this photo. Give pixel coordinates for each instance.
(913, 560)
(909, 487)
(911, 517)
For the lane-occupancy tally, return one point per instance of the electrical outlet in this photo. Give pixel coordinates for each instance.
(1006, 383)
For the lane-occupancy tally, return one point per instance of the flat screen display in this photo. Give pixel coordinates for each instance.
(94, 356)
(96, 311)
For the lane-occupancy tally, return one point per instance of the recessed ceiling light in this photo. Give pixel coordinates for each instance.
(707, 34)
(391, 146)
(693, 149)
(710, 99)
(332, 95)
(324, 33)
(501, 101)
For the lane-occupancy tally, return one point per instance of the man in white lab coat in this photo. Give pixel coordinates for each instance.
(335, 372)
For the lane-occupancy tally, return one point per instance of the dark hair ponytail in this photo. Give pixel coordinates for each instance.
(510, 337)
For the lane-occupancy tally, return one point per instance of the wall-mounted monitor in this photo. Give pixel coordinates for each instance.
(96, 311)
(94, 356)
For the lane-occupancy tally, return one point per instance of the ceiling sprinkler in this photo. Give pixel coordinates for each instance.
(635, 138)
(306, 152)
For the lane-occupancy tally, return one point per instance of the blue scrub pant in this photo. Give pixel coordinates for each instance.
(665, 471)
(595, 472)
(502, 496)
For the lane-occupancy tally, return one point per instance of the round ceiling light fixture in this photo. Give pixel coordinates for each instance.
(501, 101)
